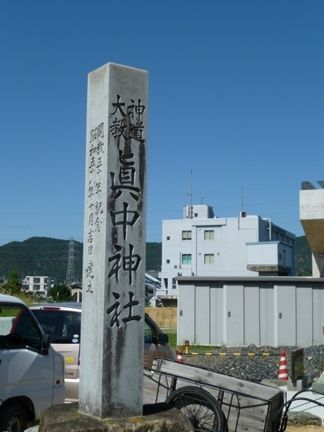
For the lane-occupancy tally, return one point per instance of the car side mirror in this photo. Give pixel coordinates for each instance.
(163, 339)
(45, 344)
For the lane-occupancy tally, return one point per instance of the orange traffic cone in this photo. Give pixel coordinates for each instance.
(283, 370)
(179, 357)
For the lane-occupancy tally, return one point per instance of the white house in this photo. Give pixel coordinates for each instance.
(37, 284)
(201, 244)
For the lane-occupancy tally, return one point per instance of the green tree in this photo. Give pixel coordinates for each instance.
(13, 284)
(60, 292)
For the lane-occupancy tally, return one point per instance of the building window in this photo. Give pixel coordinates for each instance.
(209, 235)
(168, 237)
(186, 235)
(186, 259)
(36, 280)
(209, 259)
(168, 261)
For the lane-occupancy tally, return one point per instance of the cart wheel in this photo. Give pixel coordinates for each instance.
(200, 407)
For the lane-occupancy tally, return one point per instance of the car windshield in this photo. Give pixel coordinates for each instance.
(61, 326)
(18, 328)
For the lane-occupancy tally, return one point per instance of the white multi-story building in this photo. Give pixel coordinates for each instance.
(201, 244)
(37, 284)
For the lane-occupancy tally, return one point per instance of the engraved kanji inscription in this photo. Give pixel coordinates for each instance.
(129, 263)
(116, 310)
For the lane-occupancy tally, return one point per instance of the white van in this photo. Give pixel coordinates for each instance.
(31, 372)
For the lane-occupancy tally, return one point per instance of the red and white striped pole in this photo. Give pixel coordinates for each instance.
(283, 370)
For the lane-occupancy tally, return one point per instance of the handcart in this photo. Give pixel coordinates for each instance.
(302, 400)
(219, 403)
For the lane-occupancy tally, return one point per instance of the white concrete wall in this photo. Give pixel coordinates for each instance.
(265, 253)
(311, 204)
(240, 314)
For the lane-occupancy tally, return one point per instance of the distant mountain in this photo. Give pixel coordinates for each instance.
(45, 256)
(39, 256)
(153, 256)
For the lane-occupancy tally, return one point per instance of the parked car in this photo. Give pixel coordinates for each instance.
(62, 322)
(31, 372)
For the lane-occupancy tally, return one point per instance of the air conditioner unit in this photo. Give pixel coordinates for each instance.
(179, 274)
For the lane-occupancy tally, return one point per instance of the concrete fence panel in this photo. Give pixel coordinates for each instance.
(165, 317)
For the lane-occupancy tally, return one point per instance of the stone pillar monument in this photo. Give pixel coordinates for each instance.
(112, 344)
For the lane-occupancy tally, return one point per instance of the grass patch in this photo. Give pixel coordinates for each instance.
(204, 348)
(192, 348)
(172, 338)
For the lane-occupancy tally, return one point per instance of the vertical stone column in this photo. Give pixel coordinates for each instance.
(112, 341)
(317, 264)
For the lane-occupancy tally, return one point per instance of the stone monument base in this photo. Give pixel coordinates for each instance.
(318, 385)
(67, 418)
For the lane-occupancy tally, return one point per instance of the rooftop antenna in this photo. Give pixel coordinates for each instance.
(202, 199)
(190, 197)
(242, 199)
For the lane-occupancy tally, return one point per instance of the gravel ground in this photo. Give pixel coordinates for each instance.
(289, 429)
(259, 366)
(305, 429)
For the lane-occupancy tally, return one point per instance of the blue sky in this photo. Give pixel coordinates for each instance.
(236, 95)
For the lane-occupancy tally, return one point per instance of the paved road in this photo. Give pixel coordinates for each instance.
(150, 392)
(303, 406)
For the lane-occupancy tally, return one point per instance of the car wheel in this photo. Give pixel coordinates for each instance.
(13, 418)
